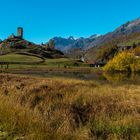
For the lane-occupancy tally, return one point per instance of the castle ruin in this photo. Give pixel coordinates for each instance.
(19, 34)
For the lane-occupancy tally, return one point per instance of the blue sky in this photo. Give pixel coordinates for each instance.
(44, 19)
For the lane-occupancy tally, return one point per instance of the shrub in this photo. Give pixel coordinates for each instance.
(122, 62)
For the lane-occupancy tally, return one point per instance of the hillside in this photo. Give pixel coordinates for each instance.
(19, 45)
(125, 29)
(109, 49)
(15, 58)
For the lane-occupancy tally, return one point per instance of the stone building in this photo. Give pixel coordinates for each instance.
(20, 32)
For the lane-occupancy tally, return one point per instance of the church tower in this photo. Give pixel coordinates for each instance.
(20, 32)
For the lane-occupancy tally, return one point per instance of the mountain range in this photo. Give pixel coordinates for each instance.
(66, 44)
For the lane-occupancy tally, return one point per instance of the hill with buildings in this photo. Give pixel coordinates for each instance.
(17, 44)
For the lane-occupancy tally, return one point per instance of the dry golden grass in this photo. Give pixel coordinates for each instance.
(59, 108)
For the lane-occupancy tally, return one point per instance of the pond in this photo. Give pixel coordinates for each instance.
(97, 76)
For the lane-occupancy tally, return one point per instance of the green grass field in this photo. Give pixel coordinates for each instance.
(19, 58)
(61, 62)
(48, 63)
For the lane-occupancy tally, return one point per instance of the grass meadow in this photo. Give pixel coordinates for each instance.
(19, 58)
(28, 61)
(68, 109)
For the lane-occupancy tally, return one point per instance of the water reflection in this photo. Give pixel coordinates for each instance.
(98, 76)
(122, 77)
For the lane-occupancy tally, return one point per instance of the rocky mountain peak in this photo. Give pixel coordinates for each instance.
(71, 38)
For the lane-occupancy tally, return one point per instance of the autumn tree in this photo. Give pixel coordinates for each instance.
(124, 61)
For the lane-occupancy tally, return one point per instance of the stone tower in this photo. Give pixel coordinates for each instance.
(20, 32)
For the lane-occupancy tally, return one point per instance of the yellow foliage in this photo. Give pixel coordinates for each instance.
(122, 62)
(137, 51)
